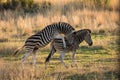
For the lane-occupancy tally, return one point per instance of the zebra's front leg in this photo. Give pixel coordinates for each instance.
(62, 54)
(52, 51)
(73, 60)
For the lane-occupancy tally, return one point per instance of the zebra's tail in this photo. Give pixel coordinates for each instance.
(18, 50)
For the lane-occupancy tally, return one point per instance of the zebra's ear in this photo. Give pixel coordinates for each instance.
(74, 33)
(89, 30)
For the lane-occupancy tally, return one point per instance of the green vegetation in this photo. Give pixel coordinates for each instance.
(28, 5)
(21, 18)
(96, 62)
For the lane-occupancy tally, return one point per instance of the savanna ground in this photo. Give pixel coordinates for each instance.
(98, 62)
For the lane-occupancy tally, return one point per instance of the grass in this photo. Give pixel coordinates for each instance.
(16, 24)
(98, 62)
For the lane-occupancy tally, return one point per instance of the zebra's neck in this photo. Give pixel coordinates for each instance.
(80, 37)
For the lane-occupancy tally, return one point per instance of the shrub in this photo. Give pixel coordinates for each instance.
(26, 5)
(101, 2)
(45, 7)
(101, 31)
(3, 39)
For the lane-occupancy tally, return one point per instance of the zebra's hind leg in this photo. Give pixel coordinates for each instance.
(34, 58)
(62, 54)
(25, 57)
(64, 43)
(63, 40)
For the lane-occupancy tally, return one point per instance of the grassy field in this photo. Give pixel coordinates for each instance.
(98, 62)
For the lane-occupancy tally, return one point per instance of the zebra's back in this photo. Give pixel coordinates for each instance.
(45, 36)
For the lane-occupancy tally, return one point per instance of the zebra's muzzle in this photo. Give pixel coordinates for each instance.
(91, 44)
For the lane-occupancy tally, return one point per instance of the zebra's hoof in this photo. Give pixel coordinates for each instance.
(46, 66)
(34, 66)
(75, 65)
(67, 66)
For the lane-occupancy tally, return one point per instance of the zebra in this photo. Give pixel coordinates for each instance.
(75, 38)
(44, 37)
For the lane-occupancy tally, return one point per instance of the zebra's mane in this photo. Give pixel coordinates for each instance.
(83, 30)
(77, 33)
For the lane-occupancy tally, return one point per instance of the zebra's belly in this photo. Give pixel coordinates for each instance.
(60, 47)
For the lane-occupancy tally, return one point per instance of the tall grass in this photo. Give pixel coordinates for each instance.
(98, 62)
(90, 66)
(12, 24)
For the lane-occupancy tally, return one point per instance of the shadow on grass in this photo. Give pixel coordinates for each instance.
(92, 48)
(84, 50)
(6, 52)
(110, 75)
(108, 60)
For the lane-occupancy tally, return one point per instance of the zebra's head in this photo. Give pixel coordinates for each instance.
(79, 36)
(84, 34)
(87, 37)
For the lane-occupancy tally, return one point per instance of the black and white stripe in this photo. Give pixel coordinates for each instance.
(50, 32)
(44, 37)
(72, 44)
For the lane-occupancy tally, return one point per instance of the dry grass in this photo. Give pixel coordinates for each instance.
(94, 20)
(98, 62)
(90, 67)
(99, 70)
(14, 23)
